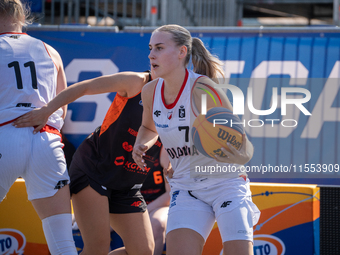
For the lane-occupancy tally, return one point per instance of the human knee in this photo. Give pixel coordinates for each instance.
(58, 234)
(146, 248)
(158, 228)
(98, 249)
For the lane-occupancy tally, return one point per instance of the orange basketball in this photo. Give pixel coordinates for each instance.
(214, 130)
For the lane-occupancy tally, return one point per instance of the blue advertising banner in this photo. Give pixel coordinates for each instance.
(296, 140)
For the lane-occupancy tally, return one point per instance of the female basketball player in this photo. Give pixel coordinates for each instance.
(31, 75)
(105, 181)
(199, 200)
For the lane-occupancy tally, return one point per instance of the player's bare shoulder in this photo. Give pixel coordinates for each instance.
(132, 82)
(148, 92)
(149, 88)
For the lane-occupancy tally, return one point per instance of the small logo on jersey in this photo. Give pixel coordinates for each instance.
(61, 184)
(126, 146)
(169, 115)
(161, 125)
(141, 102)
(181, 112)
(24, 105)
(15, 36)
(157, 113)
(103, 187)
(225, 204)
(119, 161)
(136, 203)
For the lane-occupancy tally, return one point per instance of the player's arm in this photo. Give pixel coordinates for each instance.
(147, 133)
(126, 84)
(246, 151)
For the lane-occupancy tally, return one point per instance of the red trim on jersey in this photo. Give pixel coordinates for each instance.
(7, 122)
(18, 33)
(46, 128)
(51, 130)
(170, 106)
(50, 56)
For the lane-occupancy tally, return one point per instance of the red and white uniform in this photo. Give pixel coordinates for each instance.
(173, 123)
(198, 199)
(28, 77)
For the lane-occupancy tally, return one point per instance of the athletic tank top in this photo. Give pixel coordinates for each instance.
(106, 154)
(173, 123)
(28, 77)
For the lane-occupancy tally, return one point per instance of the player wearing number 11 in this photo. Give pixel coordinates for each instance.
(31, 75)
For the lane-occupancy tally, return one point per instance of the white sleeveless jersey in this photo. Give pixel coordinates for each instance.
(192, 170)
(28, 77)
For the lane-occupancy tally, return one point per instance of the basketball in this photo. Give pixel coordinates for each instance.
(214, 130)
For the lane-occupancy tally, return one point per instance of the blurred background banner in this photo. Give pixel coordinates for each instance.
(305, 150)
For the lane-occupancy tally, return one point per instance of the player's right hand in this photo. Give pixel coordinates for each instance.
(138, 153)
(36, 118)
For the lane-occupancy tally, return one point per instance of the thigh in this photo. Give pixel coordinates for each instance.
(15, 145)
(135, 230)
(158, 218)
(46, 172)
(243, 247)
(57, 204)
(184, 241)
(92, 215)
(187, 211)
(236, 224)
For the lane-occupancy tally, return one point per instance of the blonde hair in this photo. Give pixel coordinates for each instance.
(203, 61)
(15, 10)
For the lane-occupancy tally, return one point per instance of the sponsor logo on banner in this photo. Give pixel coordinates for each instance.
(12, 242)
(268, 245)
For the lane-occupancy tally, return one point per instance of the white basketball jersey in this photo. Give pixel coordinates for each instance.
(28, 77)
(173, 123)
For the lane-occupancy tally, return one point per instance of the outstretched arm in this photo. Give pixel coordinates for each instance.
(126, 84)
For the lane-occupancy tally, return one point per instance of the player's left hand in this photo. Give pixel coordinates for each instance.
(36, 118)
(235, 156)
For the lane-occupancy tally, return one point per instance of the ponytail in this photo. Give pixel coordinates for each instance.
(204, 62)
